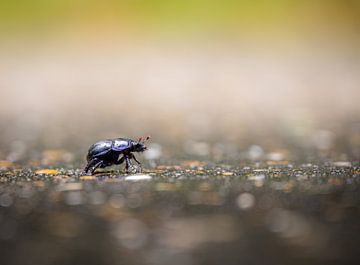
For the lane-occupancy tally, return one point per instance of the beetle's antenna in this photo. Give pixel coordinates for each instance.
(143, 139)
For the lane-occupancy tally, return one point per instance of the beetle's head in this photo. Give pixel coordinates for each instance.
(139, 146)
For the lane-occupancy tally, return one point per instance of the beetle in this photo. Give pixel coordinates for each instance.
(107, 152)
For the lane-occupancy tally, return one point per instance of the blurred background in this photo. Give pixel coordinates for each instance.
(253, 108)
(280, 75)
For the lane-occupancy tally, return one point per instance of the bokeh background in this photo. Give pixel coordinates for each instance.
(253, 108)
(197, 75)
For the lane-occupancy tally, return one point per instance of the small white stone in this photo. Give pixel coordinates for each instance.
(138, 177)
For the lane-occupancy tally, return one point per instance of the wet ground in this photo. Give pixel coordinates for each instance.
(182, 212)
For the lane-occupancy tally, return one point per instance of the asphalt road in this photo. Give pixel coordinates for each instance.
(180, 212)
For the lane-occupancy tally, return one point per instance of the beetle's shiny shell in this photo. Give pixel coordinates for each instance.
(101, 148)
(121, 144)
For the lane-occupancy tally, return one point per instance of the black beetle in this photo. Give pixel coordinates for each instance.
(107, 152)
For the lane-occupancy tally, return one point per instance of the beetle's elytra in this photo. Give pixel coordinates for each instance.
(107, 152)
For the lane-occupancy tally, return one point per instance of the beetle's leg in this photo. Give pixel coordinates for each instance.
(99, 163)
(133, 157)
(90, 164)
(127, 163)
(120, 161)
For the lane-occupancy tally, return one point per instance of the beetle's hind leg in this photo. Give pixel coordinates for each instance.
(93, 165)
(89, 165)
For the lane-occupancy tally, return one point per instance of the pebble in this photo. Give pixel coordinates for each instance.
(138, 177)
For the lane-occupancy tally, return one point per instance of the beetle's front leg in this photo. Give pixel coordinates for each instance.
(127, 163)
(133, 157)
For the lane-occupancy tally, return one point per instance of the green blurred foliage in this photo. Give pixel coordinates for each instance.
(187, 15)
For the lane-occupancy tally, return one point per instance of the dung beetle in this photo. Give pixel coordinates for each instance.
(107, 152)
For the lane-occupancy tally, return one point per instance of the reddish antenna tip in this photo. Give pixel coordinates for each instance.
(143, 139)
